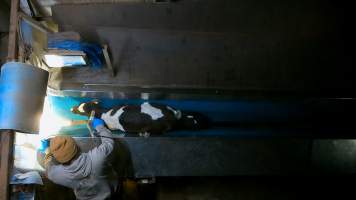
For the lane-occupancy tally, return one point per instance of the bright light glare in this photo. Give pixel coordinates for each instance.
(50, 122)
(26, 145)
(64, 61)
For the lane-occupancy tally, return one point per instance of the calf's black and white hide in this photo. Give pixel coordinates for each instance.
(144, 119)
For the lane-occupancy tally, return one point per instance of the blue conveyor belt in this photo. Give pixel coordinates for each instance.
(241, 118)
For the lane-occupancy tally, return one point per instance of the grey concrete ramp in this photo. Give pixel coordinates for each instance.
(241, 45)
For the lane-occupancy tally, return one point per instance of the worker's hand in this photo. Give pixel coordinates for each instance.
(44, 145)
(96, 122)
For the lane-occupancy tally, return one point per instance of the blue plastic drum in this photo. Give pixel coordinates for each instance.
(22, 92)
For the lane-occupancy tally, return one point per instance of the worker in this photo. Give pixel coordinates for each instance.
(86, 173)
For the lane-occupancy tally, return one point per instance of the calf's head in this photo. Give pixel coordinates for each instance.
(86, 108)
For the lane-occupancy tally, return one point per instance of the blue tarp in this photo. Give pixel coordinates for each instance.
(93, 51)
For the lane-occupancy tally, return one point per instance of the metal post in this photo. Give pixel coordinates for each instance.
(7, 144)
(12, 47)
(8, 136)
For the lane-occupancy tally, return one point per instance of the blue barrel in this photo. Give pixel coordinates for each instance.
(22, 92)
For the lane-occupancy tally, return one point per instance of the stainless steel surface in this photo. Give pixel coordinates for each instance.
(90, 121)
(119, 92)
(146, 93)
(22, 92)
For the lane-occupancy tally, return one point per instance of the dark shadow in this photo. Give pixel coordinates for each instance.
(122, 55)
(121, 160)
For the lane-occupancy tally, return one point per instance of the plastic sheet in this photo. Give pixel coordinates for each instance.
(93, 51)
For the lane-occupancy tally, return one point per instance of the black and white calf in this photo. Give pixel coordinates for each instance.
(144, 119)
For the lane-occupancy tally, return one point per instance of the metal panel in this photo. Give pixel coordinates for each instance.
(157, 156)
(22, 92)
(334, 156)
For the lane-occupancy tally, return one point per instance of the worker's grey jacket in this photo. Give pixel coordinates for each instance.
(88, 174)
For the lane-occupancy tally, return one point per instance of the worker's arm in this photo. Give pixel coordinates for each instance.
(107, 142)
(56, 173)
(99, 155)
